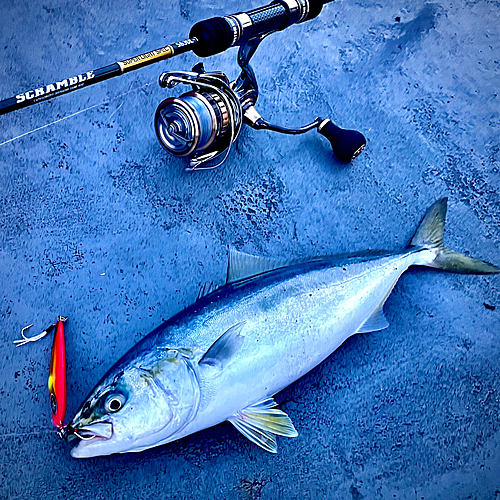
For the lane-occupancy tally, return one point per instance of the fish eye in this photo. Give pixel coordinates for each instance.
(114, 402)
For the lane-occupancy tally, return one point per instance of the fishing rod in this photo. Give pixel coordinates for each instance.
(204, 123)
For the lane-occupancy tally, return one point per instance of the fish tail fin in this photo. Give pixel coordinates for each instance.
(429, 235)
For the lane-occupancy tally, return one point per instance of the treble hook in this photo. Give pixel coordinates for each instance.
(26, 340)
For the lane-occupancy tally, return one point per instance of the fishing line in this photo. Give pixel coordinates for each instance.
(11, 435)
(78, 112)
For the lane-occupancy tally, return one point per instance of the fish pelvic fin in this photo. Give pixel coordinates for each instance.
(261, 422)
(429, 235)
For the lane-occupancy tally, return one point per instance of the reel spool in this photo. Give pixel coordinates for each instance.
(204, 123)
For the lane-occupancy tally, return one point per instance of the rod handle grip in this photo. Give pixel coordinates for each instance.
(217, 34)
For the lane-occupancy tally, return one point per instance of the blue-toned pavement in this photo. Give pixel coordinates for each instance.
(98, 223)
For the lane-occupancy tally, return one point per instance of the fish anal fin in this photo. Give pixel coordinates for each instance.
(222, 350)
(261, 421)
(377, 321)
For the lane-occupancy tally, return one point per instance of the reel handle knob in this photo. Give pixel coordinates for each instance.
(346, 144)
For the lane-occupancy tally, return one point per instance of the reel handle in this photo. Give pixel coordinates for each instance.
(346, 144)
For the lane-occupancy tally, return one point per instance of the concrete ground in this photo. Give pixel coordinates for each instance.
(99, 224)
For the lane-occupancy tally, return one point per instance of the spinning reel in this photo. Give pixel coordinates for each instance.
(204, 123)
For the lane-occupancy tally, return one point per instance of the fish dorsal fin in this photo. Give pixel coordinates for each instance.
(206, 289)
(242, 265)
(221, 351)
(377, 321)
(261, 421)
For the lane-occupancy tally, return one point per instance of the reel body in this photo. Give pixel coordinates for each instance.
(204, 123)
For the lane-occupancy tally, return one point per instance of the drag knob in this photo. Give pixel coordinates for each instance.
(346, 144)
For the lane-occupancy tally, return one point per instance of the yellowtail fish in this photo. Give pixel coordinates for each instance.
(227, 355)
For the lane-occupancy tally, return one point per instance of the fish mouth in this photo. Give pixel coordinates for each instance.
(98, 430)
(90, 436)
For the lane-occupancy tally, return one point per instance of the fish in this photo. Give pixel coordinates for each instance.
(226, 356)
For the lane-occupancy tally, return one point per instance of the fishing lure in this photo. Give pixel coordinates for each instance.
(57, 377)
(57, 372)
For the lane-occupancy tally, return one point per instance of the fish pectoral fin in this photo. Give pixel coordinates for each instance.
(222, 350)
(261, 421)
(377, 321)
